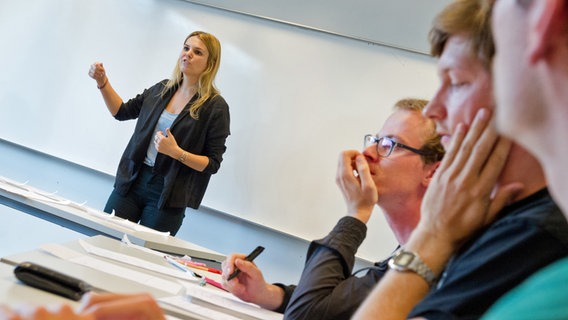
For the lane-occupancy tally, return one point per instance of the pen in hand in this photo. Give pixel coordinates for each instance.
(250, 258)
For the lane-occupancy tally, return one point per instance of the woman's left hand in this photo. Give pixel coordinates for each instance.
(166, 144)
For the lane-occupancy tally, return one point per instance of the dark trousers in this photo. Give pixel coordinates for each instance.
(141, 204)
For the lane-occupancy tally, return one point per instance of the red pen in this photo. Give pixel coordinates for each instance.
(206, 269)
(198, 265)
(214, 283)
(188, 260)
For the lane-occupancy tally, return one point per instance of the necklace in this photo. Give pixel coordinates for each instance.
(179, 101)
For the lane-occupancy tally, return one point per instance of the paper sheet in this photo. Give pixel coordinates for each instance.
(22, 189)
(129, 243)
(187, 305)
(229, 305)
(113, 269)
(137, 262)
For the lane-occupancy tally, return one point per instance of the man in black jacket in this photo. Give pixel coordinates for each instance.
(401, 160)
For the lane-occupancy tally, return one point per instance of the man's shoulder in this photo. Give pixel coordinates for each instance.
(527, 236)
(550, 283)
(539, 213)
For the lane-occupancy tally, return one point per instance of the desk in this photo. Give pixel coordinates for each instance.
(91, 221)
(94, 277)
(118, 284)
(13, 292)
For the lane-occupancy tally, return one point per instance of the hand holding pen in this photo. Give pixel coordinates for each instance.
(249, 258)
(249, 284)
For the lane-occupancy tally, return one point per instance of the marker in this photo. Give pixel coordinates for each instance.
(213, 283)
(197, 265)
(212, 270)
(250, 258)
(181, 267)
(193, 262)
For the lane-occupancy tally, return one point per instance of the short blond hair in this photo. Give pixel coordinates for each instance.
(434, 151)
(471, 18)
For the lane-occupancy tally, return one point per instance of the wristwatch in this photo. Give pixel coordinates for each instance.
(404, 261)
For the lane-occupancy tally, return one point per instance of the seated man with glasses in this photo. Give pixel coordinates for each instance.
(401, 159)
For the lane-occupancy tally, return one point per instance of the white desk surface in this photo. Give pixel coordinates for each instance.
(105, 225)
(96, 278)
(120, 284)
(15, 294)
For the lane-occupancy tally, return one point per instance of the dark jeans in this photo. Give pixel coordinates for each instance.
(140, 204)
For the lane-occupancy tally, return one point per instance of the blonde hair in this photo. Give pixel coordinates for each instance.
(206, 88)
(434, 151)
(471, 18)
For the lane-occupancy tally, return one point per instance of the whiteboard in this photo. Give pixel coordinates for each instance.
(297, 98)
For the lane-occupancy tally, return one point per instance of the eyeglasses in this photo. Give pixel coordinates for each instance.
(386, 145)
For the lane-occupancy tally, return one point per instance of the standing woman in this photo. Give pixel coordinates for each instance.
(178, 141)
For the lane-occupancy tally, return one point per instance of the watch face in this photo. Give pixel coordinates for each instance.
(409, 261)
(404, 259)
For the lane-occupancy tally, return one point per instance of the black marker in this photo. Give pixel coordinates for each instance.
(250, 257)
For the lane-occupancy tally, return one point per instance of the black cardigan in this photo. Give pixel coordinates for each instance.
(183, 186)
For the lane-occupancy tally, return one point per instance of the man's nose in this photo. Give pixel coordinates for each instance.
(370, 152)
(435, 109)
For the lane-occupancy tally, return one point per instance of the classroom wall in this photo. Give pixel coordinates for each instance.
(297, 98)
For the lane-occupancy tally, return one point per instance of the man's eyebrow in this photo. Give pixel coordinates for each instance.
(391, 136)
(398, 138)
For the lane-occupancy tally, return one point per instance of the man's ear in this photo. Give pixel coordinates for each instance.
(546, 24)
(431, 170)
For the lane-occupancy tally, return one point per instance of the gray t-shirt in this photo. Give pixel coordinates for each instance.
(165, 121)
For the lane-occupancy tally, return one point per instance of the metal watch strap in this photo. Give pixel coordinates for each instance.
(404, 260)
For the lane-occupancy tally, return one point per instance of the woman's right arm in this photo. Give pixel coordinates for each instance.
(112, 100)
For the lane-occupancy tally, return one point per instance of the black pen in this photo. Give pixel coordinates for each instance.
(250, 257)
